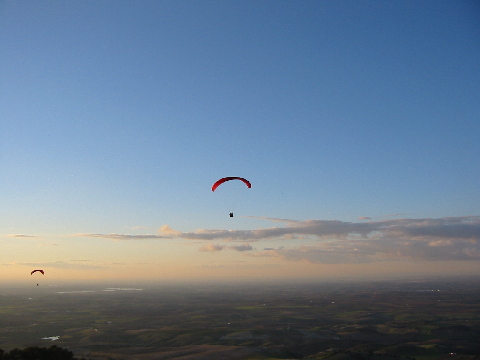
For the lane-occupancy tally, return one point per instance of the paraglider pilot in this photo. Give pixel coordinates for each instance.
(231, 214)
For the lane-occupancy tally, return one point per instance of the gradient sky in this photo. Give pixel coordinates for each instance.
(357, 123)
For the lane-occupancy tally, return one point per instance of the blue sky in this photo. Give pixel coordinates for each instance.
(118, 116)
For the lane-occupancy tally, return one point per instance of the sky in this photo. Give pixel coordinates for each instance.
(356, 122)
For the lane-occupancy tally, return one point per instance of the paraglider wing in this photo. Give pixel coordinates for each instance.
(222, 180)
(43, 273)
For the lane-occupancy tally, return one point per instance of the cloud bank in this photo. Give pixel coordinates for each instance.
(452, 228)
(450, 238)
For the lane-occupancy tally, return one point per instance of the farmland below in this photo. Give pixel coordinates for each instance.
(424, 320)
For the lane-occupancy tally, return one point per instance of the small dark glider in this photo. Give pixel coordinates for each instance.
(222, 180)
(43, 273)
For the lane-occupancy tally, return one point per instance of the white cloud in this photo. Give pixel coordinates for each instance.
(166, 231)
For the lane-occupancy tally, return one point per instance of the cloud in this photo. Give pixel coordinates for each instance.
(243, 247)
(449, 238)
(319, 228)
(366, 251)
(308, 227)
(166, 230)
(212, 247)
(364, 218)
(123, 236)
(21, 236)
(317, 255)
(452, 238)
(280, 248)
(467, 227)
(446, 228)
(60, 265)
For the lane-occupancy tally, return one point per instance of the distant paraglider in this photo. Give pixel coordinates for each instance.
(40, 271)
(222, 180)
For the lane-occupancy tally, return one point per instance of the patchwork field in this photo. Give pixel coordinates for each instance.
(421, 320)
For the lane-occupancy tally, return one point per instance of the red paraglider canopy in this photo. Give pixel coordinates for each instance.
(222, 180)
(43, 273)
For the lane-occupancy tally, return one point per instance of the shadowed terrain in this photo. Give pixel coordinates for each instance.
(422, 320)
